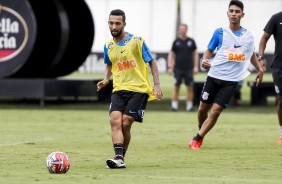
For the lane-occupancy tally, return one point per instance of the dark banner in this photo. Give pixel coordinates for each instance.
(43, 39)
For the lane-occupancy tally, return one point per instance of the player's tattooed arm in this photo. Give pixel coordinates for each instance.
(155, 73)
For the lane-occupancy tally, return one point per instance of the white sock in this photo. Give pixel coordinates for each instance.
(189, 105)
(281, 131)
(174, 104)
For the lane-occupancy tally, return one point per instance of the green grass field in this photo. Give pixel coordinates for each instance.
(240, 149)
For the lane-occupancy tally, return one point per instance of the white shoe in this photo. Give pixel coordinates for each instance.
(115, 163)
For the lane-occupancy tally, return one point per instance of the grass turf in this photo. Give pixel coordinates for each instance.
(240, 149)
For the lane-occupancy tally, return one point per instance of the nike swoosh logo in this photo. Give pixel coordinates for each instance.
(237, 46)
(122, 51)
(132, 112)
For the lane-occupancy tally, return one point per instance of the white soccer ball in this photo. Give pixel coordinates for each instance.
(58, 162)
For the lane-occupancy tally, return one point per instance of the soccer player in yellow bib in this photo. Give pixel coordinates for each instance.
(127, 58)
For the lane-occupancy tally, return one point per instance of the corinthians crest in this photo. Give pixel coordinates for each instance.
(111, 44)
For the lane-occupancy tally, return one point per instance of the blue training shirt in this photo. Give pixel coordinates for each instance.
(216, 40)
(146, 53)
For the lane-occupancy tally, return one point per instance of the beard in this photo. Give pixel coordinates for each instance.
(116, 34)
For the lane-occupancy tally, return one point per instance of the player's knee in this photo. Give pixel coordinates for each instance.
(126, 125)
(203, 108)
(115, 120)
(127, 122)
(215, 112)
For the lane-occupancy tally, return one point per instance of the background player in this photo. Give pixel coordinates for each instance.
(183, 62)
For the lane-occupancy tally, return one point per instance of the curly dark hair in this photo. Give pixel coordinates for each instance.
(118, 12)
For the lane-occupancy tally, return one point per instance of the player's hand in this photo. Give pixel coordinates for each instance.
(195, 70)
(102, 84)
(259, 77)
(263, 64)
(157, 91)
(169, 71)
(206, 63)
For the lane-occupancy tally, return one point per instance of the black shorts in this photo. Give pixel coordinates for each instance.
(218, 91)
(129, 103)
(277, 79)
(187, 75)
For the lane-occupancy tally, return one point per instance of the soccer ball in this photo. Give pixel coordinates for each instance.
(58, 162)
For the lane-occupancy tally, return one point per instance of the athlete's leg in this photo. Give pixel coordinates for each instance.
(175, 94)
(189, 97)
(116, 127)
(221, 100)
(203, 113)
(277, 79)
(175, 97)
(134, 111)
(279, 109)
(279, 113)
(207, 124)
(117, 134)
(189, 82)
(127, 122)
(211, 119)
(190, 93)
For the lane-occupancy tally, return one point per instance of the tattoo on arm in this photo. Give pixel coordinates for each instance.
(155, 72)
